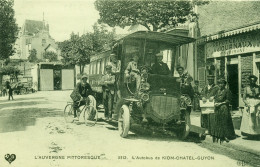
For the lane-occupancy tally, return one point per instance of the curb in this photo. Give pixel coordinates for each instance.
(238, 147)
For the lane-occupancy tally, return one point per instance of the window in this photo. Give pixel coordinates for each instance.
(102, 66)
(94, 67)
(98, 67)
(90, 68)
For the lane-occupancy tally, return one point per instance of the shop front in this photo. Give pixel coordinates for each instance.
(233, 55)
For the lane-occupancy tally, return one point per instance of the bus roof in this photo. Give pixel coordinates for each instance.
(161, 36)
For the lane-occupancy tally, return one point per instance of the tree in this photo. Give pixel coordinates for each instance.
(10, 70)
(8, 29)
(152, 14)
(33, 56)
(102, 38)
(51, 56)
(78, 49)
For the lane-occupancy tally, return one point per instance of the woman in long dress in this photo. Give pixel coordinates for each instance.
(250, 124)
(222, 128)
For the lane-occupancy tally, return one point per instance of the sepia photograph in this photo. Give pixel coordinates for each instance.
(129, 83)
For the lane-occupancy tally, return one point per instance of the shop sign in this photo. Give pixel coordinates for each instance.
(233, 45)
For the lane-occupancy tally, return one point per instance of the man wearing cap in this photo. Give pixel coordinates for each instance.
(208, 92)
(114, 63)
(132, 70)
(80, 93)
(116, 66)
(108, 86)
(160, 67)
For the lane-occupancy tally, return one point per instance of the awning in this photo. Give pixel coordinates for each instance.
(161, 36)
(228, 33)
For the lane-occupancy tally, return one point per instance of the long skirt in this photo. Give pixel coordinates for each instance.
(221, 124)
(250, 124)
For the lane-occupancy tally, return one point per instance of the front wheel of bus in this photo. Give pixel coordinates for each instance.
(124, 121)
(185, 129)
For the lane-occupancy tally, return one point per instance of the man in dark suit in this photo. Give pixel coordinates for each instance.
(80, 94)
(160, 67)
(108, 85)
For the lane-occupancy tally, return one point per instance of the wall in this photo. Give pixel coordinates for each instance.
(223, 15)
(246, 68)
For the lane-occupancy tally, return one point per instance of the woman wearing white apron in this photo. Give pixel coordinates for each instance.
(250, 120)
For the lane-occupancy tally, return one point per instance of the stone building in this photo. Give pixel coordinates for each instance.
(34, 35)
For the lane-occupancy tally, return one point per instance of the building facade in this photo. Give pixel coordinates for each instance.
(34, 35)
(228, 44)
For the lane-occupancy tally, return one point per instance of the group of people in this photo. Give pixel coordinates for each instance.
(7, 90)
(218, 124)
(109, 82)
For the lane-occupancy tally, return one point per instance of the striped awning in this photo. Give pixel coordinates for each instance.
(229, 33)
(161, 37)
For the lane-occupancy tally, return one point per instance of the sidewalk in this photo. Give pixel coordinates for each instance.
(241, 142)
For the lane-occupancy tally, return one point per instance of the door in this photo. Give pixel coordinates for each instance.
(57, 79)
(46, 79)
(232, 80)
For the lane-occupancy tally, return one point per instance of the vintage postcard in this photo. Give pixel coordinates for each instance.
(107, 83)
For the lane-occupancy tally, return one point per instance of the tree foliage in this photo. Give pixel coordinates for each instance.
(8, 28)
(33, 56)
(51, 56)
(10, 70)
(153, 14)
(78, 49)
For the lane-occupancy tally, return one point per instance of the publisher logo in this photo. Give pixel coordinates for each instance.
(10, 158)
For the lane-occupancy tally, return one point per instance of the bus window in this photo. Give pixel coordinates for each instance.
(90, 68)
(102, 66)
(94, 67)
(98, 67)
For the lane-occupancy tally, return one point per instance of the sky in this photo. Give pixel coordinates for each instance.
(63, 16)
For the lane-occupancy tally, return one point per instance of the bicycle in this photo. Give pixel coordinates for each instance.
(90, 113)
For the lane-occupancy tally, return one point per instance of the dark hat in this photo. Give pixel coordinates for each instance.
(84, 76)
(179, 67)
(108, 67)
(252, 77)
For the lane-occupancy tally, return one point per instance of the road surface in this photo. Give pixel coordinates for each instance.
(33, 128)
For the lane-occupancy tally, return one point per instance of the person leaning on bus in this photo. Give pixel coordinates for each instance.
(82, 90)
(108, 83)
(116, 66)
(132, 70)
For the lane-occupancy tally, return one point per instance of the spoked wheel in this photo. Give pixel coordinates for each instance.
(90, 116)
(68, 113)
(185, 128)
(124, 121)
